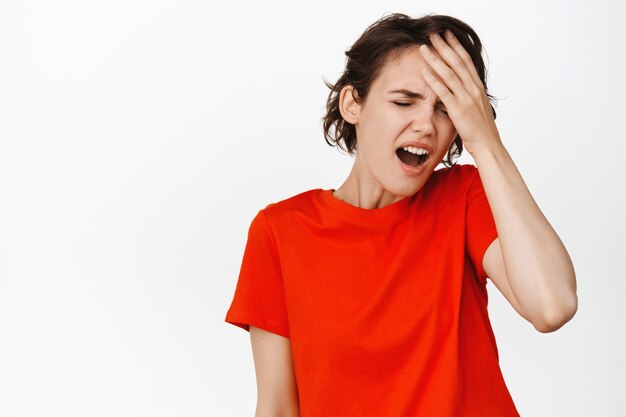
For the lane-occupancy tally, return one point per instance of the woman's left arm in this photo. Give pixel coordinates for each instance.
(530, 261)
(538, 268)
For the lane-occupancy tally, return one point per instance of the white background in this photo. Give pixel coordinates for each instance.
(138, 139)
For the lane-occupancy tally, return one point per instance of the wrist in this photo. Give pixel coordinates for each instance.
(495, 150)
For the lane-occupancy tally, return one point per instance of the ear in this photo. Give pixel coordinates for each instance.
(348, 107)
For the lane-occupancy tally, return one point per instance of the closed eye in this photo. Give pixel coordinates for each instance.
(408, 104)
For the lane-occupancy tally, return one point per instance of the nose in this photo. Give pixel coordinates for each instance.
(423, 119)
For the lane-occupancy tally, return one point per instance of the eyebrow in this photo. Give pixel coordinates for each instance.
(411, 94)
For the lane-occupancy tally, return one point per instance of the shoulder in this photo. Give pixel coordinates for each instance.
(456, 171)
(458, 176)
(301, 202)
(297, 201)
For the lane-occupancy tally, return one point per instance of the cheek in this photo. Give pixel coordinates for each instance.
(448, 130)
(384, 126)
(447, 125)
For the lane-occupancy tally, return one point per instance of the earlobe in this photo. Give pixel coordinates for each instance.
(348, 107)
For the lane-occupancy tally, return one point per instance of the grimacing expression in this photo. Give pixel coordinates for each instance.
(400, 107)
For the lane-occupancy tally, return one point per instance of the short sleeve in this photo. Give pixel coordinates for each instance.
(479, 223)
(259, 298)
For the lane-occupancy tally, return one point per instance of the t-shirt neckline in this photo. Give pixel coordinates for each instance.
(391, 211)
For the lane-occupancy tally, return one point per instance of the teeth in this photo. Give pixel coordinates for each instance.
(415, 150)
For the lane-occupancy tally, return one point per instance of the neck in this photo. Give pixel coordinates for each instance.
(362, 190)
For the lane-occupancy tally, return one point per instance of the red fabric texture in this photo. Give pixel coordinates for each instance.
(385, 309)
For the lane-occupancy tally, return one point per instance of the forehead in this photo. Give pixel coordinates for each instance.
(403, 72)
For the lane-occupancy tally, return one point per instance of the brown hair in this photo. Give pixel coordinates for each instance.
(386, 39)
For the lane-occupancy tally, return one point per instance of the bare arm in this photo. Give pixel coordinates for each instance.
(277, 393)
(529, 260)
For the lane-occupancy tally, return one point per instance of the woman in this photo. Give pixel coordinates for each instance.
(371, 299)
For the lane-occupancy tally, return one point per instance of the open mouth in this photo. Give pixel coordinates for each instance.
(413, 156)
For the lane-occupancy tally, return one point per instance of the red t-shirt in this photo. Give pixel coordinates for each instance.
(385, 309)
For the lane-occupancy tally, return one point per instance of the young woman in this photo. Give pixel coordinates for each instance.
(371, 299)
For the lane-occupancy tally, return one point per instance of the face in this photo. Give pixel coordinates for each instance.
(391, 116)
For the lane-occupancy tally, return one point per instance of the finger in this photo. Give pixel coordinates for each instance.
(454, 43)
(439, 88)
(448, 76)
(454, 61)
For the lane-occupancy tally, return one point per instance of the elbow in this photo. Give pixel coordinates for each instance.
(558, 317)
(277, 414)
(288, 413)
